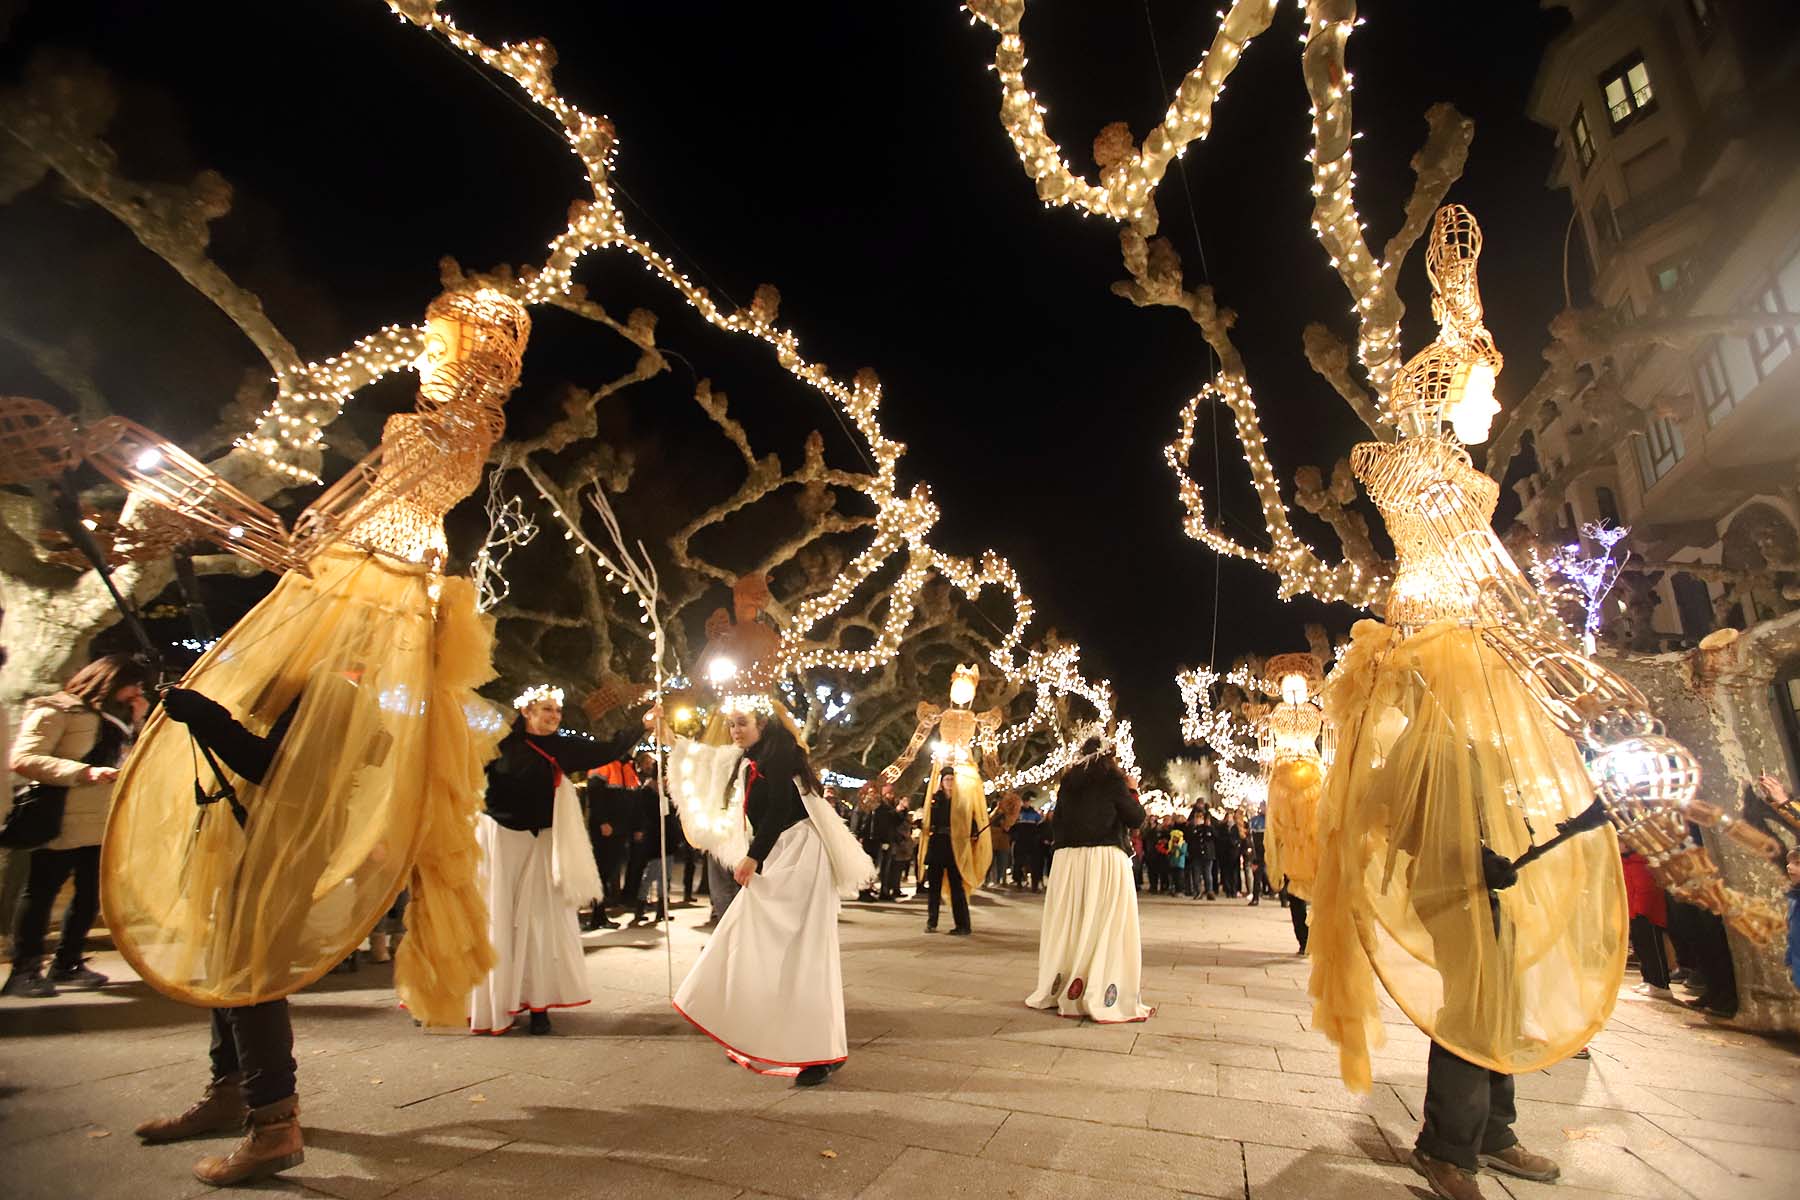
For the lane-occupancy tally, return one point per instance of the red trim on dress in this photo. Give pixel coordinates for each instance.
(522, 1008)
(749, 1060)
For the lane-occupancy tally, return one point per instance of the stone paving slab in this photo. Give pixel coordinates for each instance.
(953, 1089)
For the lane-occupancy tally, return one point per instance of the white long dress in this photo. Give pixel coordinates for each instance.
(769, 987)
(533, 886)
(1090, 959)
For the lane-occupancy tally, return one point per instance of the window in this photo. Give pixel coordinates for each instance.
(1768, 347)
(1607, 505)
(1659, 449)
(1627, 91)
(1713, 383)
(1605, 224)
(1582, 141)
(1671, 276)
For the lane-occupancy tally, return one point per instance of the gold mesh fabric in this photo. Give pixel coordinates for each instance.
(968, 810)
(1291, 834)
(380, 766)
(1442, 750)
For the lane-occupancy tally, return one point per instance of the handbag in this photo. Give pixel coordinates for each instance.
(36, 817)
(37, 813)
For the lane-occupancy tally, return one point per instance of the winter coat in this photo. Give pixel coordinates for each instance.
(1641, 891)
(1096, 806)
(54, 740)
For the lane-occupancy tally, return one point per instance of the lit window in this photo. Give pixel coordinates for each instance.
(1670, 276)
(1659, 449)
(1627, 90)
(1714, 385)
(1582, 140)
(1770, 346)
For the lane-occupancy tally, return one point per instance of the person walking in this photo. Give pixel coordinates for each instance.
(1090, 958)
(74, 739)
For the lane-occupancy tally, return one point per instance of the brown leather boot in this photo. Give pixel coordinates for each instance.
(220, 1110)
(271, 1144)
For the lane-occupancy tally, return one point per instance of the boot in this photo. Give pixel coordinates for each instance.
(219, 1110)
(27, 979)
(271, 1145)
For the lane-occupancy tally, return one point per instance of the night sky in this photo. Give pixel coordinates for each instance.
(852, 155)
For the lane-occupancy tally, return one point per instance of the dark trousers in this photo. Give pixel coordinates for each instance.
(635, 863)
(890, 864)
(1297, 914)
(1699, 938)
(721, 887)
(1647, 944)
(610, 854)
(933, 883)
(49, 870)
(256, 1041)
(1468, 1110)
(1209, 874)
(690, 862)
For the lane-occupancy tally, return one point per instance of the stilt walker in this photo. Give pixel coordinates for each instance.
(337, 740)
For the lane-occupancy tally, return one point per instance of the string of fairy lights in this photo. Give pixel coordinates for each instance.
(289, 432)
(1127, 193)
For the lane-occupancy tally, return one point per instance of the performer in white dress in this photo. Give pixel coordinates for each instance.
(1090, 960)
(768, 987)
(537, 867)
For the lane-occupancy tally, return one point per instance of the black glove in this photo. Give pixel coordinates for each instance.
(185, 705)
(1497, 872)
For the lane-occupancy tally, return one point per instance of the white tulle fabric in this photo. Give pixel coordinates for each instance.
(707, 784)
(572, 866)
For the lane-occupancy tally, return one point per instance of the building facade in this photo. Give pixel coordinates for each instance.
(1675, 125)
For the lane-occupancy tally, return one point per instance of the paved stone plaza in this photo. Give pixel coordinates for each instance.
(953, 1088)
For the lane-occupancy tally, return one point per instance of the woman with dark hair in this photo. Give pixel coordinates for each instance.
(74, 739)
(1090, 960)
(768, 987)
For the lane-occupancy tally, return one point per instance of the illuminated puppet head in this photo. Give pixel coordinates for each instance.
(963, 684)
(471, 335)
(1296, 677)
(1453, 378)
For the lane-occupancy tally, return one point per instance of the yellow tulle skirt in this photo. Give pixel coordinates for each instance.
(974, 851)
(375, 788)
(1442, 751)
(1291, 836)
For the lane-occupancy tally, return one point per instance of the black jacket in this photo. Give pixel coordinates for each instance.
(886, 825)
(1096, 807)
(521, 781)
(774, 807)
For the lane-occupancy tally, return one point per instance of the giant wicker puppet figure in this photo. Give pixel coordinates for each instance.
(1290, 734)
(358, 669)
(957, 727)
(1456, 760)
